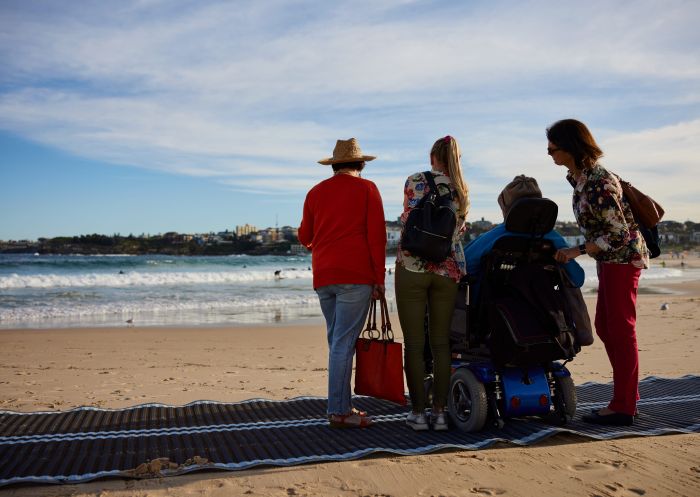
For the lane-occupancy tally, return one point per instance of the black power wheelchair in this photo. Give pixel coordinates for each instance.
(507, 345)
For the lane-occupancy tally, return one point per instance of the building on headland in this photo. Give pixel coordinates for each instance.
(288, 233)
(298, 249)
(477, 228)
(174, 237)
(246, 229)
(268, 235)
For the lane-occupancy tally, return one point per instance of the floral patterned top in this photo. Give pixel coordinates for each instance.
(605, 218)
(454, 266)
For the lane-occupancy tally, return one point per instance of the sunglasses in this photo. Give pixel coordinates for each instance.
(550, 151)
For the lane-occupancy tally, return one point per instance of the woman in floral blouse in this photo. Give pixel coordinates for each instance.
(614, 241)
(419, 282)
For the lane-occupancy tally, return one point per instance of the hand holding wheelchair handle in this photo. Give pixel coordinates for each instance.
(568, 254)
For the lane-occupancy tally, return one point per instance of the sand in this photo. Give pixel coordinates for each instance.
(64, 368)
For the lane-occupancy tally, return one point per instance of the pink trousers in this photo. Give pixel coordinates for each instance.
(615, 320)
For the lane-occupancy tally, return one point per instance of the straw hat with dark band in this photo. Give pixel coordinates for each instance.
(346, 151)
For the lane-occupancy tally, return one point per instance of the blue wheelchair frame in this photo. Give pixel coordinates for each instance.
(513, 392)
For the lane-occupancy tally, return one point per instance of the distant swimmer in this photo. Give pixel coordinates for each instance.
(278, 274)
(121, 272)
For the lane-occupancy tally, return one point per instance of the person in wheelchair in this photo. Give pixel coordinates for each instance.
(514, 196)
(527, 314)
(521, 187)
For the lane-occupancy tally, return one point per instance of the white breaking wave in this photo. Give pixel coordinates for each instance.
(133, 310)
(141, 279)
(662, 274)
(657, 275)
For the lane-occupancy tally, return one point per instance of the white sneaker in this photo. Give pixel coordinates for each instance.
(440, 422)
(417, 421)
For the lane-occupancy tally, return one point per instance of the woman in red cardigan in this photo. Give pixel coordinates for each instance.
(344, 227)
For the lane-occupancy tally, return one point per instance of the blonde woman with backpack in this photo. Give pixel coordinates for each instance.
(432, 283)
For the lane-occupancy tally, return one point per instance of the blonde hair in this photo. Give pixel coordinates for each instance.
(446, 151)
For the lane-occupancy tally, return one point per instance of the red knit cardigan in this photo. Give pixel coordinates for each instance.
(344, 227)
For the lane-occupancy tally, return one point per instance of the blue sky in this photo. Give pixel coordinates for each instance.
(150, 116)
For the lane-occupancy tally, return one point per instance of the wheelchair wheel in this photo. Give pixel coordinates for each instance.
(466, 401)
(566, 405)
(567, 391)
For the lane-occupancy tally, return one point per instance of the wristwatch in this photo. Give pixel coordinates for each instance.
(582, 249)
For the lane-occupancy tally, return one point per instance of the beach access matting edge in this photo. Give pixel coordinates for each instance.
(152, 440)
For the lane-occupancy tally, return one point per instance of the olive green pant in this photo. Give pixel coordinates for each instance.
(413, 292)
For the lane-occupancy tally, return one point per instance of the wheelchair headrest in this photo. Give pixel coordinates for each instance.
(533, 216)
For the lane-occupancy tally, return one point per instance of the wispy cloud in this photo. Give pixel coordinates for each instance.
(246, 92)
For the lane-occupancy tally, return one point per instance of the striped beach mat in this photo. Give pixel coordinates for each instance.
(154, 440)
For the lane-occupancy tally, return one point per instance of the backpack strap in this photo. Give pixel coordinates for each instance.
(433, 186)
(431, 182)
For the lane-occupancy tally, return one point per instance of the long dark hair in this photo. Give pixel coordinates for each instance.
(573, 137)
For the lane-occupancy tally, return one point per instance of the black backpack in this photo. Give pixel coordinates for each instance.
(430, 225)
(651, 238)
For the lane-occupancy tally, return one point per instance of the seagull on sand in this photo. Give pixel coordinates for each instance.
(664, 306)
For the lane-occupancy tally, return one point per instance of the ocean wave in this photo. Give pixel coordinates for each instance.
(665, 273)
(144, 279)
(134, 310)
(64, 263)
(654, 275)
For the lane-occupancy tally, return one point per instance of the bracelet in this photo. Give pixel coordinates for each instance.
(582, 249)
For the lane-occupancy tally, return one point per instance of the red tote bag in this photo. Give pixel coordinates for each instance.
(379, 360)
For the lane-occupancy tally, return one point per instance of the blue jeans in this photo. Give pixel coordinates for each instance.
(345, 309)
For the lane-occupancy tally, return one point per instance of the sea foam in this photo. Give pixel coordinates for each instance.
(130, 279)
